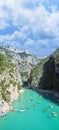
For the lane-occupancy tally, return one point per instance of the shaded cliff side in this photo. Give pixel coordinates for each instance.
(45, 74)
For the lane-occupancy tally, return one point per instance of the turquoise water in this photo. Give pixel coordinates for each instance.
(35, 116)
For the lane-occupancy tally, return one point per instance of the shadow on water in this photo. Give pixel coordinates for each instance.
(49, 79)
(48, 96)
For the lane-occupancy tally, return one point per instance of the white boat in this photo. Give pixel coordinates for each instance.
(15, 109)
(39, 101)
(54, 114)
(51, 106)
(3, 114)
(21, 110)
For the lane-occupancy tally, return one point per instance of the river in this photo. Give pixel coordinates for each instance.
(32, 111)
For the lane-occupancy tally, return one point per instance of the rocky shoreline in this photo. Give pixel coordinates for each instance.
(6, 107)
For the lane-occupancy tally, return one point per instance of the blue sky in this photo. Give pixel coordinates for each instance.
(30, 24)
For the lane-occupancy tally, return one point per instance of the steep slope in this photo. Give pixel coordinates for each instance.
(36, 74)
(14, 70)
(56, 55)
(8, 77)
(12, 74)
(46, 73)
(10, 86)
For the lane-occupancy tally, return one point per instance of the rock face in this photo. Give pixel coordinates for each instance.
(15, 68)
(36, 75)
(45, 74)
(48, 74)
(50, 78)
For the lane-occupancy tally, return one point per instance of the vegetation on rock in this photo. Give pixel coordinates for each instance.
(45, 74)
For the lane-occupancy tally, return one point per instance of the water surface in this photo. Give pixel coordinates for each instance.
(36, 114)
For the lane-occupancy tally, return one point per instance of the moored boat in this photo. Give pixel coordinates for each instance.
(21, 110)
(54, 114)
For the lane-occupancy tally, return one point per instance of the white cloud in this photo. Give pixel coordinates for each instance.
(29, 42)
(37, 18)
(17, 34)
(34, 18)
(4, 38)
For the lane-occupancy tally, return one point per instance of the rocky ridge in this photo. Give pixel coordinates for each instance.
(15, 68)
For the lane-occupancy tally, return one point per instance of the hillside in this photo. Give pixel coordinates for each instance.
(8, 76)
(24, 54)
(45, 74)
(14, 70)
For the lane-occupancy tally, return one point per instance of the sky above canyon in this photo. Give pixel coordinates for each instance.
(32, 25)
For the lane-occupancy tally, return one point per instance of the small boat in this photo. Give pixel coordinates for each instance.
(40, 96)
(54, 114)
(39, 101)
(49, 115)
(45, 110)
(21, 110)
(16, 109)
(51, 106)
(4, 114)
